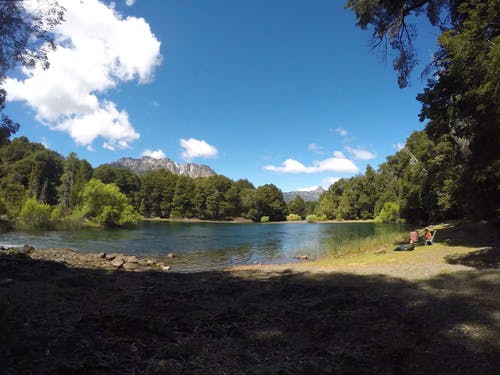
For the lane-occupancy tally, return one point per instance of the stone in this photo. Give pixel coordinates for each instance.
(101, 255)
(117, 262)
(165, 268)
(111, 256)
(130, 266)
(170, 256)
(27, 249)
(132, 259)
(150, 262)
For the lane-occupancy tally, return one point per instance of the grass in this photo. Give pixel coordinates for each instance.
(356, 245)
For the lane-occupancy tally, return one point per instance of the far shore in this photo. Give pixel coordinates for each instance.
(241, 220)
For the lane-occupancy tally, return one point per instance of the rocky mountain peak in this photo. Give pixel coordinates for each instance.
(147, 163)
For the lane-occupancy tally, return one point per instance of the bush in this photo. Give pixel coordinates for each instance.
(105, 204)
(293, 217)
(35, 214)
(311, 218)
(264, 219)
(389, 213)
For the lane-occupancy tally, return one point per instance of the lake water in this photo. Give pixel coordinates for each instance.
(201, 246)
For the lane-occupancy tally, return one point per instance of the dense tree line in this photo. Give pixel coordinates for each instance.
(420, 183)
(40, 187)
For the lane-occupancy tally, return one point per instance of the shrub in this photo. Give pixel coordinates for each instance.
(35, 214)
(106, 205)
(389, 213)
(293, 217)
(264, 219)
(311, 218)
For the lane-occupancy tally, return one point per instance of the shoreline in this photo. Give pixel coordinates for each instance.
(424, 261)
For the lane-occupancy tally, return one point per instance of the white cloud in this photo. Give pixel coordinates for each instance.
(194, 148)
(334, 164)
(97, 50)
(315, 148)
(360, 154)
(157, 154)
(342, 132)
(129, 3)
(339, 154)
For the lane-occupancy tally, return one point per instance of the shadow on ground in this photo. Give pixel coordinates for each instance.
(474, 235)
(58, 320)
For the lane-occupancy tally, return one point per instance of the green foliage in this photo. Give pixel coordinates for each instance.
(35, 214)
(270, 202)
(389, 213)
(104, 204)
(297, 206)
(293, 217)
(311, 218)
(264, 219)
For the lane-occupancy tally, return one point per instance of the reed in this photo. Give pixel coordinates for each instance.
(354, 244)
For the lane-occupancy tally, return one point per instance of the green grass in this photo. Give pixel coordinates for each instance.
(355, 244)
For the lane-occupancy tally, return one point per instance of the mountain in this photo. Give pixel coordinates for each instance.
(147, 163)
(307, 196)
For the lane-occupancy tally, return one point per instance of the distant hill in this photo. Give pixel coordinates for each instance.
(147, 163)
(307, 196)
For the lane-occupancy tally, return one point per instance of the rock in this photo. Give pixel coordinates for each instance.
(111, 256)
(130, 266)
(132, 259)
(117, 262)
(170, 256)
(101, 255)
(165, 268)
(301, 257)
(150, 262)
(160, 265)
(27, 249)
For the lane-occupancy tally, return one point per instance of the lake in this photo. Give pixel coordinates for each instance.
(202, 246)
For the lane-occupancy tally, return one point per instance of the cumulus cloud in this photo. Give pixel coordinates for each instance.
(194, 148)
(335, 164)
(129, 3)
(360, 154)
(97, 49)
(157, 154)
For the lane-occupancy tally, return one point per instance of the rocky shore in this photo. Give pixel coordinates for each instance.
(103, 261)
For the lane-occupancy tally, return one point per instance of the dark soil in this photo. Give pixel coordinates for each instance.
(57, 319)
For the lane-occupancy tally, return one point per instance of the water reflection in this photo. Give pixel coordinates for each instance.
(206, 245)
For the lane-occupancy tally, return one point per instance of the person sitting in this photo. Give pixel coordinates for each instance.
(428, 237)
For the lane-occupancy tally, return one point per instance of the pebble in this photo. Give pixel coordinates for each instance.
(166, 268)
(170, 255)
(101, 255)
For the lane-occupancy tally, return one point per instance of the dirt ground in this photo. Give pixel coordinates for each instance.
(362, 315)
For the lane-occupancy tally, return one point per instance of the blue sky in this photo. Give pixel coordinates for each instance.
(283, 91)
